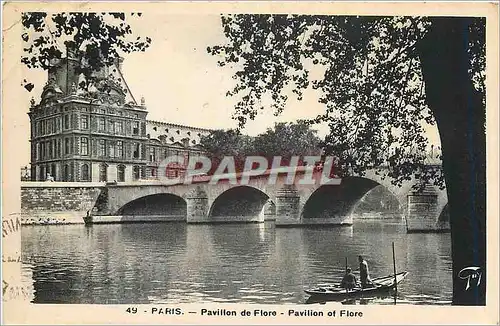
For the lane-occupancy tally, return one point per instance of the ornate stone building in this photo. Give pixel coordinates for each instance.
(101, 134)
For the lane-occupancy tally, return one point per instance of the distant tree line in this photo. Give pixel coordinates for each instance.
(284, 139)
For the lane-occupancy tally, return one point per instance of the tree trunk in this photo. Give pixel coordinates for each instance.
(460, 117)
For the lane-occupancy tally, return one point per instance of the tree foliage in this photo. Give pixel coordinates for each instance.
(370, 81)
(287, 140)
(99, 39)
(284, 139)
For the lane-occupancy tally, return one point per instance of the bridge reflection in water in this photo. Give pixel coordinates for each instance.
(249, 263)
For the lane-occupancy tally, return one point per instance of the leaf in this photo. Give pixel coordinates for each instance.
(29, 86)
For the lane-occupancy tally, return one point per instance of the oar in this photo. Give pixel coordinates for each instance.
(346, 290)
(395, 278)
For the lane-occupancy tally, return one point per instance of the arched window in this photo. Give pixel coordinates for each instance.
(85, 175)
(121, 173)
(103, 172)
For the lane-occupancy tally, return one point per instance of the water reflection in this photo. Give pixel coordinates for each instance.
(243, 263)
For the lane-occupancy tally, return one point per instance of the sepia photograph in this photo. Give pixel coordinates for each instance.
(304, 159)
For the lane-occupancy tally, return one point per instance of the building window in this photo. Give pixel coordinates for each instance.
(85, 122)
(102, 124)
(50, 149)
(101, 149)
(137, 149)
(111, 152)
(119, 127)
(103, 172)
(153, 172)
(135, 128)
(67, 146)
(136, 173)
(58, 124)
(152, 154)
(102, 111)
(121, 173)
(111, 127)
(42, 150)
(119, 149)
(85, 172)
(143, 172)
(42, 173)
(59, 142)
(53, 169)
(84, 148)
(67, 174)
(66, 121)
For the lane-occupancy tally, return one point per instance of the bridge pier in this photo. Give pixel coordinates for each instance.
(197, 206)
(288, 206)
(269, 211)
(423, 212)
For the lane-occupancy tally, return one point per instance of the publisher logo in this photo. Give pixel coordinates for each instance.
(473, 276)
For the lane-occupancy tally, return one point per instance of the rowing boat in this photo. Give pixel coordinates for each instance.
(381, 284)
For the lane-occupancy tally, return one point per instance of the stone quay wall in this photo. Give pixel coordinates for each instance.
(58, 202)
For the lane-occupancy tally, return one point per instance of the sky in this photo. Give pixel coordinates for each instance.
(182, 83)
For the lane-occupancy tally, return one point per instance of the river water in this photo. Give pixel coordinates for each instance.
(238, 263)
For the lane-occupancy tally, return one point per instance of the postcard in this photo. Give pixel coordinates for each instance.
(250, 163)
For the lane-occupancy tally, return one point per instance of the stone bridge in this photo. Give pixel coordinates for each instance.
(289, 201)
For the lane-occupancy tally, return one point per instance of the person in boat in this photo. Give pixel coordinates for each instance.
(364, 274)
(349, 280)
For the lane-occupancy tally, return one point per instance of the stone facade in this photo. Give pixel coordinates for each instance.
(101, 134)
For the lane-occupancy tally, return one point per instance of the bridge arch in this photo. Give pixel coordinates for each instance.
(340, 201)
(160, 204)
(240, 203)
(379, 200)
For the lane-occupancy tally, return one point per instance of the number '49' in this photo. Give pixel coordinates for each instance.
(132, 310)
